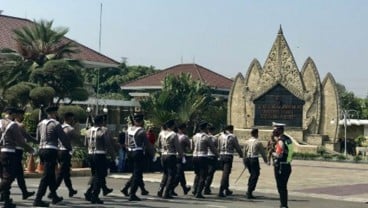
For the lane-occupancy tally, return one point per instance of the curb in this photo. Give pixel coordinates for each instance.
(75, 172)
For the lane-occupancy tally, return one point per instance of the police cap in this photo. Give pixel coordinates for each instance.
(138, 117)
(51, 109)
(170, 123)
(99, 119)
(278, 125)
(10, 110)
(203, 124)
(229, 128)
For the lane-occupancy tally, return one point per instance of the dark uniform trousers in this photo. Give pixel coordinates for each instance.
(99, 173)
(252, 165)
(282, 174)
(169, 167)
(137, 176)
(200, 165)
(212, 165)
(64, 159)
(48, 158)
(20, 172)
(227, 164)
(180, 174)
(8, 159)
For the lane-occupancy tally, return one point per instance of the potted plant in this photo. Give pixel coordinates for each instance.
(78, 156)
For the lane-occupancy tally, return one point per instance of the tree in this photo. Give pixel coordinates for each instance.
(185, 100)
(40, 42)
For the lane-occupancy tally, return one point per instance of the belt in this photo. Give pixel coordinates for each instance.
(135, 149)
(19, 148)
(47, 146)
(7, 150)
(96, 152)
(167, 153)
(252, 156)
(226, 153)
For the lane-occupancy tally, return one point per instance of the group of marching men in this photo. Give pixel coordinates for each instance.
(55, 138)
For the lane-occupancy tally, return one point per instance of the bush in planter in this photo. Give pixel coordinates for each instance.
(80, 154)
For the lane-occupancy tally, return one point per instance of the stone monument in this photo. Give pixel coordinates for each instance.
(279, 92)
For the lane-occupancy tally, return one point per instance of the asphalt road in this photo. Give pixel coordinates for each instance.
(116, 199)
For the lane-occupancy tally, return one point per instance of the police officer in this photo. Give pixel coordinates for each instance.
(137, 144)
(185, 145)
(201, 144)
(228, 143)
(18, 118)
(252, 148)
(64, 155)
(11, 137)
(100, 143)
(170, 150)
(282, 167)
(49, 133)
(212, 161)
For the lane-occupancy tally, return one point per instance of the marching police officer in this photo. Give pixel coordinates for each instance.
(11, 137)
(137, 144)
(282, 159)
(201, 143)
(212, 161)
(185, 145)
(170, 148)
(64, 155)
(18, 118)
(228, 143)
(100, 143)
(253, 147)
(49, 133)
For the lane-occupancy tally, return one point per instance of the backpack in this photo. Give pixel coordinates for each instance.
(290, 148)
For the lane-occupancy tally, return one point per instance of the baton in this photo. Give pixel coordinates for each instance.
(236, 181)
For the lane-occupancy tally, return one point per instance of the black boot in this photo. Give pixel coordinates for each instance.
(249, 195)
(56, 199)
(134, 198)
(160, 191)
(72, 192)
(27, 194)
(125, 191)
(144, 192)
(107, 191)
(96, 200)
(186, 189)
(40, 203)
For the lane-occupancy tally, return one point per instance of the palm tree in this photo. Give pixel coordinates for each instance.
(40, 42)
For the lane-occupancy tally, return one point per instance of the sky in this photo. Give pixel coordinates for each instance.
(221, 35)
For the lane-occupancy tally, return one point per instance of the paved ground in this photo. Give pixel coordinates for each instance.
(312, 184)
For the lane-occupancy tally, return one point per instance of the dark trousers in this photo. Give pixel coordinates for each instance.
(180, 174)
(212, 165)
(20, 172)
(64, 159)
(169, 172)
(137, 177)
(227, 164)
(200, 165)
(129, 183)
(8, 159)
(48, 157)
(252, 165)
(282, 174)
(99, 173)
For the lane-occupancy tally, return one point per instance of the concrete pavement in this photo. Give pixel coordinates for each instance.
(320, 179)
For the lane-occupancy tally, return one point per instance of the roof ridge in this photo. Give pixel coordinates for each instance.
(19, 18)
(209, 70)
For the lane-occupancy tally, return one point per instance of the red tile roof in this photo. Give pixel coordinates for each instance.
(198, 72)
(8, 24)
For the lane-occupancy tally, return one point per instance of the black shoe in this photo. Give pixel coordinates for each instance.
(222, 195)
(107, 191)
(134, 198)
(186, 190)
(40, 203)
(144, 192)
(199, 196)
(207, 192)
(167, 197)
(56, 199)
(72, 192)
(228, 192)
(9, 205)
(50, 196)
(27, 195)
(194, 193)
(159, 193)
(88, 196)
(125, 191)
(97, 201)
(173, 193)
(1, 197)
(249, 195)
